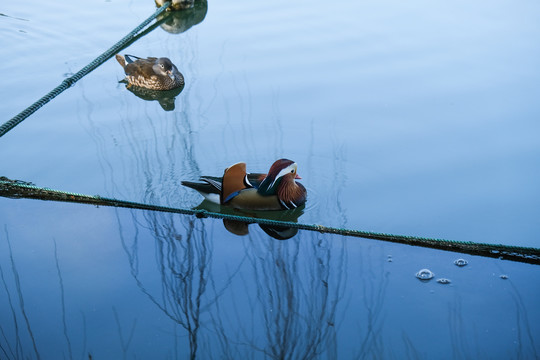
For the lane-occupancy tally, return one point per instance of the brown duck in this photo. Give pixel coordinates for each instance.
(151, 73)
(276, 190)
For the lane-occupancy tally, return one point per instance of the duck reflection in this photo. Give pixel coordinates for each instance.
(176, 22)
(165, 98)
(241, 228)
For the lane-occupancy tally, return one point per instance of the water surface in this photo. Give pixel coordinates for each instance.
(407, 118)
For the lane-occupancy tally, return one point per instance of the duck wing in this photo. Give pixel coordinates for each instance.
(141, 67)
(234, 180)
(129, 58)
(255, 179)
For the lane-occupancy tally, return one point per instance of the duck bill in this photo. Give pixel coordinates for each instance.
(298, 177)
(171, 75)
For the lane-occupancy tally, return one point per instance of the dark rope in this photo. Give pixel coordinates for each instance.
(67, 83)
(18, 189)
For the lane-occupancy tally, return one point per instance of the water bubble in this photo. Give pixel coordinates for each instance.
(425, 275)
(461, 262)
(443, 281)
(504, 277)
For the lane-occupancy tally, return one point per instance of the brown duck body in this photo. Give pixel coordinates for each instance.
(151, 73)
(250, 199)
(276, 190)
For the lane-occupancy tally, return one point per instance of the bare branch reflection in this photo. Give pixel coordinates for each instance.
(526, 339)
(19, 347)
(124, 342)
(374, 287)
(292, 308)
(183, 258)
(62, 301)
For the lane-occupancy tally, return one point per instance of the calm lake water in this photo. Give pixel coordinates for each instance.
(412, 118)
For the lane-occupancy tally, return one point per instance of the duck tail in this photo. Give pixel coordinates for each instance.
(203, 186)
(121, 60)
(129, 58)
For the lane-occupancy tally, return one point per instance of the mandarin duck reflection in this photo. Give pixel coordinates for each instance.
(276, 190)
(176, 4)
(150, 73)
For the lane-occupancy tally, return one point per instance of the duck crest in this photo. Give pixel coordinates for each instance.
(279, 168)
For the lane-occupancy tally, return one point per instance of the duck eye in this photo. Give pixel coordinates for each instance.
(292, 171)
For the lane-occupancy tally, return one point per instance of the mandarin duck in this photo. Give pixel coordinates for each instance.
(276, 190)
(151, 73)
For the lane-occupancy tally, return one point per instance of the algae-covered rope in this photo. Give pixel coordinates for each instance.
(17, 189)
(68, 82)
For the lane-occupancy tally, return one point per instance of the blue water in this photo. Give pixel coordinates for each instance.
(406, 118)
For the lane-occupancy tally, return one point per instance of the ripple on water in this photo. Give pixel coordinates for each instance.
(425, 275)
(460, 262)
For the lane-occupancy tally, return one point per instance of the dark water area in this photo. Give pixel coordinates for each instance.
(137, 284)
(416, 119)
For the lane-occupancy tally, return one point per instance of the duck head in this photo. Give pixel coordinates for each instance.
(165, 67)
(281, 174)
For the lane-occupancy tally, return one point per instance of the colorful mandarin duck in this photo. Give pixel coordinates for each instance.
(276, 190)
(151, 73)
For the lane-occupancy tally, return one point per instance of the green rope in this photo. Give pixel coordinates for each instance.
(18, 189)
(67, 83)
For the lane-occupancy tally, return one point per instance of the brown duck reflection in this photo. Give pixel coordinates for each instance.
(165, 98)
(176, 22)
(241, 228)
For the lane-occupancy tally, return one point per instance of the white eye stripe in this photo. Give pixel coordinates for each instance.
(289, 169)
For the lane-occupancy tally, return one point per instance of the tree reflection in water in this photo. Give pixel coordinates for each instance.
(285, 306)
(298, 295)
(281, 302)
(370, 326)
(183, 259)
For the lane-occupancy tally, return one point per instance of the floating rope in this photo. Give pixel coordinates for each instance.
(68, 82)
(19, 189)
